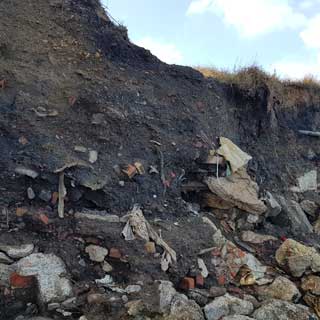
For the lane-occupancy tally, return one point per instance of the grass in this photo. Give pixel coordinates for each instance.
(252, 76)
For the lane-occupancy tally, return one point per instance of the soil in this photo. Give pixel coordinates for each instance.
(73, 78)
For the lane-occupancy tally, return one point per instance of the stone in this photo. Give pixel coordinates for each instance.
(93, 156)
(69, 304)
(237, 317)
(30, 193)
(298, 257)
(96, 253)
(150, 247)
(215, 292)
(310, 207)
(97, 118)
(45, 195)
(311, 284)
(282, 310)
(307, 182)
(26, 172)
(115, 253)
(200, 296)
(81, 149)
(298, 219)
(17, 251)
(282, 289)
(227, 305)
(5, 272)
(203, 268)
(273, 205)
(96, 298)
(105, 282)
(134, 288)
(166, 294)
(256, 238)
(134, 307)
(50, 272)
(184, 309)
(199, 280)
(107, 267)
(95, 217)
(5, 259)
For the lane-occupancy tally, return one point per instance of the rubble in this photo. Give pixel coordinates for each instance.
(5, 259)
(16, 251)
(252, 237)
(96, 253)
(273, 205)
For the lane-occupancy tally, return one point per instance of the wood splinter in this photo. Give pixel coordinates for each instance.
(62, 195)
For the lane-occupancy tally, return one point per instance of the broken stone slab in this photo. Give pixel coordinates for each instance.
(256, 238)
(309, 207)
(239, 190)
(184, 309)
(298, 219)
(17, 251)
(273, 205)
(91, 216)
(298, 257)
(233, 154)
(5, 259)
(282, 310)
(96, 253)
(26, 172)
(227, 305)
(50, 272)
(307, 182)
(282, 289)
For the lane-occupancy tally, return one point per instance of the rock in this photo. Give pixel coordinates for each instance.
(298, 219)
(106, 281)
(252, 237)
(45, 195)
(133, 289)
(93, 156)
(307, 182)
(282, 310)
(217, 292)
(150, 247)
(166, 294)
(107, 267)
(316, 226)
(50, 272)
(96, 253)
(200, 296)
(184, 309)
(96, 298)
(227, 305)
(97, 118)
(95, 217)
(310, 207)
(282, 289)
(311, 284)
(297, 257)
(135, 307)
(273, 205)
(81, 149)
(19, 251)
(30, 193)
(202, 266)
(239, 190)
(5, 259)
(5, 272)
(27, 172)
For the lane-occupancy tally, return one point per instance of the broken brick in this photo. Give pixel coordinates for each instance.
(130, 171)
(20, 282)
(21, 211)
(43, 218)
(222, 279)
(199, 280)
(115, 253)
(54, 198)
(187, 283)
(150, 247)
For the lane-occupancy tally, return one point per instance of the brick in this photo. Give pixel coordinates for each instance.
(130, 171)
(199, 280)
(187, 283)
(17, 281)
(115, 253)
(150, 247)
(55, 198)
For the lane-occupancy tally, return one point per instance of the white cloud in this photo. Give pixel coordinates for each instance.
(251, 17)
(297, 69)
(166, 52)
(311, 34)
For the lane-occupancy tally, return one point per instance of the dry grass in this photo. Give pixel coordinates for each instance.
(252, 76)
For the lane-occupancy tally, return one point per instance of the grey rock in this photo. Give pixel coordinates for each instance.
(200, 296)
(282, 310)
(96, 217)
(227, 305)
(217, 292)
(97, 118)
(27, 172)
(298, 219)
(17, 251)
(184, 309)
(273, 205)
(45, 195)
(5, 259)
(134, 288)
(166, 294)
(50, 272)
(310, 207)
(30, 193)
(5, 272)
(93, 156)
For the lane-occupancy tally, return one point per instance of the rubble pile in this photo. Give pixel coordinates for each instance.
(131, 189)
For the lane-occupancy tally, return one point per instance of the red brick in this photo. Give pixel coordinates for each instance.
(17, 281)
(115, 253)
(187, 283)
(199, 280)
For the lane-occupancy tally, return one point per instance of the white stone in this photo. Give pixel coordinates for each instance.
(19, 251)
(134, 288)
(93, 156)
(96, 253)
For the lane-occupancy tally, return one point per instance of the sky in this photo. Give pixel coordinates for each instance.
(282, 36)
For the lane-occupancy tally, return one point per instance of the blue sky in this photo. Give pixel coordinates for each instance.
(281, 35)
